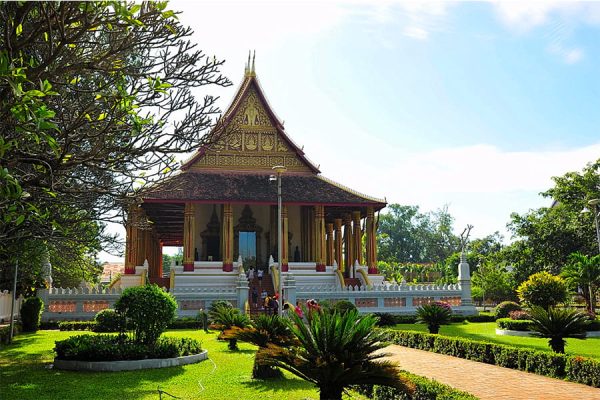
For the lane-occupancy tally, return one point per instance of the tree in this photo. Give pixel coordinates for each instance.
(96, 98)
(335, 351)
(546, 237)
(434, 315)
(584, 272)
(544, 290)
(494, 281)
(557, 324)
(407, 235)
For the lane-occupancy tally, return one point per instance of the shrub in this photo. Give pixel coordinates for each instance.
(583, 370)
(513, 324)
(77, 325)
(503, 309)
(31, 314)
(424, 389)
(185, 323)
(386, 319)
(556, 324)
(108, 320)
(5, 332)
(593, 325)
(49, 325)
(115, 348)
(148, 310)
(343, 306)
(481, 318)
(434, 315)
(544, 290)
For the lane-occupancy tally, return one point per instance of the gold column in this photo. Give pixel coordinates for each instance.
(227, 237)
(284, 239)
(131, 240)
(330, 250)
(188, 237)
(348, 239)
(320, 238)
(357, 238)
(371, 241)
(337, 244)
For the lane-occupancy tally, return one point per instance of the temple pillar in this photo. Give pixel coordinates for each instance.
(320, 248)
(337, 244)
(227, 237)
(189, 225)
(348, 239)
(131, 238)
(357, 247)
(284, 239)
(329, 246)
(371, 242)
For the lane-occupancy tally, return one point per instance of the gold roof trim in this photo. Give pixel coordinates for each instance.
(354, 192)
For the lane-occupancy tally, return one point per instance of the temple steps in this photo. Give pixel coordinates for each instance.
(266, 284)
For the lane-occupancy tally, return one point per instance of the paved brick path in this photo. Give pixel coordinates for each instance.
(488, 381)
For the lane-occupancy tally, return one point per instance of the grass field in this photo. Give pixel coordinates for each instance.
(25, 373)
(486, 331)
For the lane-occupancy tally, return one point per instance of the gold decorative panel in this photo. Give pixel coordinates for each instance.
(250, 142)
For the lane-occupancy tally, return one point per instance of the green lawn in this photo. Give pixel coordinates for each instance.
(486, 331)
(25, 373)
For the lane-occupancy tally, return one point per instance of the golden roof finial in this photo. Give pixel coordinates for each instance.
(253, 57)
(247, 68)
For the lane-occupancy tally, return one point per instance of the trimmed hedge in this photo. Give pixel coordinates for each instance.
(116, 348)
(108, 320)
(49, 325)
(574, 368)
(31, 314)
(386, 319)
(186, 323)
(77, 325)
(425, 389)
(504, 308)
(514, 324)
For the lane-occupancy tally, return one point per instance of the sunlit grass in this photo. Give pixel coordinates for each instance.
(486, 331)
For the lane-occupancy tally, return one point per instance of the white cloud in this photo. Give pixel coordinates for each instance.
(416, 32)
(569, 56)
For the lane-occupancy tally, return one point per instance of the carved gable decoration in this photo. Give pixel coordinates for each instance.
(250, 141)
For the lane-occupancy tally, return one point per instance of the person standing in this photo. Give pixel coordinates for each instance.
(254, 297)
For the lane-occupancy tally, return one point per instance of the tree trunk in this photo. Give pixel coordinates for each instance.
(433, 328)
(557, 345)
(330, 392)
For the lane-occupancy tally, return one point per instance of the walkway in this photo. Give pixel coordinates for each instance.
(488, 381)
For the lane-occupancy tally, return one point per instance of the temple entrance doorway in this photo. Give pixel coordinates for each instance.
(247, 247)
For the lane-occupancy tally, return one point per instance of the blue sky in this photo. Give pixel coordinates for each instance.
(470, 105)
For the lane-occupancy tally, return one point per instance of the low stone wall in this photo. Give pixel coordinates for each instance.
(129, 365)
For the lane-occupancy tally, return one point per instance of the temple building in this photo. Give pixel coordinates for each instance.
(222, 206)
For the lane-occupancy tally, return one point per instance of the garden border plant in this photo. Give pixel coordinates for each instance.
(574, 368)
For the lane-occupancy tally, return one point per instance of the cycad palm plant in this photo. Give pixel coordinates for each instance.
(434, 315)
(557, 324)
(335, 351)
(224, 319)
(264, 330)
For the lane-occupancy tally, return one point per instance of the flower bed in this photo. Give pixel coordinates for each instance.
(115, 348)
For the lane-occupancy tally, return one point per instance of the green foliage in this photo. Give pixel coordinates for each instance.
(148, 310)
(434, 315)
(424, 389)
(583, 370)
(334, 351)
(513, 324)
(5, 332)
(215, 306)
(546, 237)
(263, 331)
(556, 324)
(31, 313)
(108, 320)
(544, 290)
(584, 272)
(504, 308)
(77, 325)
(226, 318)
(114, 348)
(87, 116)
(343, 306)
(494, 281)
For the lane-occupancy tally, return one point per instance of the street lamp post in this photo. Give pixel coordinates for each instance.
(279, 169)
(594, 203)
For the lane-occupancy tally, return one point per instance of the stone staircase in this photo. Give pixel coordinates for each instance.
(266, 284)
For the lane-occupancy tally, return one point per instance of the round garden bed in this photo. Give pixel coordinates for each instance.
(129, 365)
